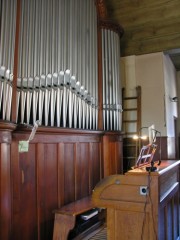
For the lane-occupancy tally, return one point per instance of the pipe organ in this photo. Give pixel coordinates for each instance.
(57, 70)
(52, 73)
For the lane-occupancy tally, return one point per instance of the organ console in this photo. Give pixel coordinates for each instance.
(141, 204)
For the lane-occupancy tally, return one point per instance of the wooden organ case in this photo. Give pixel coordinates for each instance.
(52, 71)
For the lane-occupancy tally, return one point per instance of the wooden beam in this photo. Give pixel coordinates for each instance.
(150, 45)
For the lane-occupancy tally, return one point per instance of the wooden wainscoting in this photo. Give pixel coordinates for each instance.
(5, 179)
(61, 166)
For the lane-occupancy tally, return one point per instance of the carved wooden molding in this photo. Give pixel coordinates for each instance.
(101, 9)
(107, 24)
(5, 131)
(25, 128)
(104, 22)
(7, 126)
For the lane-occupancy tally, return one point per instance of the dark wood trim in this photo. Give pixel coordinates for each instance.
(7, 126)
(61, 166)
(104, 21)
(101, 9)
(57, 135)
(5, 131)
(56, 130)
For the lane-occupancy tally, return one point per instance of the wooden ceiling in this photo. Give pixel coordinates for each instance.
(149, 26)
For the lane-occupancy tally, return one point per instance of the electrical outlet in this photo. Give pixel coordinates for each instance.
(143, 190)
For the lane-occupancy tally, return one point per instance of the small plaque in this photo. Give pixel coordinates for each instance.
(23, 146)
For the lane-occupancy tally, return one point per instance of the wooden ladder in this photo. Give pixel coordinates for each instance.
(131, 123)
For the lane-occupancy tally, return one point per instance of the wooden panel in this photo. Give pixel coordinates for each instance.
(82, 172)
(5, 191)
(149, 26)
(150, 45)
(153, 29)
(169, 218)
(61, 166)
(5, 179)
(69, 172)
(125, 5)
(133, 221)
(50, 186)
(135, 216)
(140, 15)
(27, 194)
(112, 153)
(41, 193)
(95, 158)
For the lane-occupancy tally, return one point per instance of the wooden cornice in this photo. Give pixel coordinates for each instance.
(6, 129)
(7, 126)
(108, 24)
(104, 21)
(25, 128)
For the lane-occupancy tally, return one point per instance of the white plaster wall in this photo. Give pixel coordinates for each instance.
(128, 75)
(178, 90)
(178, 106)
(171, 107)
(156, 75)
(170, 92)
(149, 75)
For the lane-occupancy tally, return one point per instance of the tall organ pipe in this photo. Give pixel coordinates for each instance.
(52, 38)
(111, 80)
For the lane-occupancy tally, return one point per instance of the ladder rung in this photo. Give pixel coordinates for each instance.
(129, 98)
(130, 121)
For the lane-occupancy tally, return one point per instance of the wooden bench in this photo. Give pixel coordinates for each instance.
(65, 217)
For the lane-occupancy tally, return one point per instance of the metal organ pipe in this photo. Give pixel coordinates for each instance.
(7, 40)
(103, 79)
(111, 80)
(106, 80)
(58, 66)
(119, 87)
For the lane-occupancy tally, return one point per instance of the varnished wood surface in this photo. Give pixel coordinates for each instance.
(65, 217)
(149, 26)
(76, 207)
(57, 169)
(165, 166)
(6, 129)
(131, 215)
(61, 166)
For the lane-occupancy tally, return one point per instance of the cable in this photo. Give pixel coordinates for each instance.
(151, 203)
(148, 196)
(145, 205)
(144, 218)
